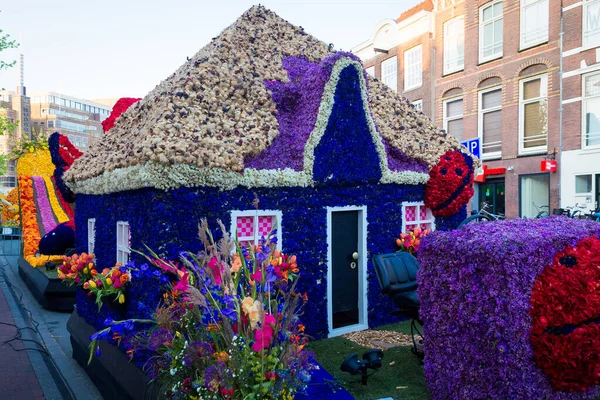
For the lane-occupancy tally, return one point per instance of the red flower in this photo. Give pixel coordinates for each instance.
(119, 108)
(565, 310)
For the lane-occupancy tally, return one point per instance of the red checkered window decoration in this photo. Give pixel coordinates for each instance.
(416, 214)
(252, 225)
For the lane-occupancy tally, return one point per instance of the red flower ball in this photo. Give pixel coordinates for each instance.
(119, 108)
(450, 184)
(565, 311)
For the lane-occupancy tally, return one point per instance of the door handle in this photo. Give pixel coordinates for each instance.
(353, 265)
(355, 256)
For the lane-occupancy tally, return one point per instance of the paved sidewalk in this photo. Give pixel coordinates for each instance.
(46, 338)
(17, 377)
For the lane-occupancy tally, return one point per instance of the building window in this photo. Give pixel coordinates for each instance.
(453, 117)
(418, 105)
(416, 214)
(50, 124)
(591, 23)
(371, 71)
(490, 31)
(91, 235)
(583, 184)
(413, 68)
(123, 242)
(533, 114)
(8, 181)
(252, 225)
(389, 73)
(11, 165)
(534, 192)
(591, 110)
(490, 122)
(454, 45)
(534, 22)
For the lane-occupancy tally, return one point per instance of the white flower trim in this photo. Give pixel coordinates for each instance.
(168, 177)
(325, 109)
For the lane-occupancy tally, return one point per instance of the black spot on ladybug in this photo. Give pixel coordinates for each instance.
(568, 261)
(458, 171)
(448, 158)
(443, 171)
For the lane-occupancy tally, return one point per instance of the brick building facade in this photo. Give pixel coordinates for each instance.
(494, 74)
(580, 159)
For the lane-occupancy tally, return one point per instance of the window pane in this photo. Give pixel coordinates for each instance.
(455, 128)
(592, 85)
(454, 44)
(531, 89)
(498, 36)
(534, 192)
(454, 108)
(533, 129)
(413, 68)
(497, 9)
(592, 26)
(492, 131)
(389, 73)
(592, 122)
(534, 23)
(487, 13)
(583, 184)
(491, 99)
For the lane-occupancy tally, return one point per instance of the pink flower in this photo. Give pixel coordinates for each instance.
(215, 268)
(182, 285)
(256, 276)
(263, 336)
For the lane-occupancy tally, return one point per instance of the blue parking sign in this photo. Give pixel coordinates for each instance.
(474, 146)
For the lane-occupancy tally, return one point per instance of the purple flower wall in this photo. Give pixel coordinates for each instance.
(475, 288)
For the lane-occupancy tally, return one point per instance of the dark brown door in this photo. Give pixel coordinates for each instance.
(344, 285)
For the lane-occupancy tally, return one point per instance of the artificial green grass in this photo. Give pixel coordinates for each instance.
(402, 380)
(52, 274)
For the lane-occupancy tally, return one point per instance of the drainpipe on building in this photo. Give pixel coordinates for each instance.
(560, 108)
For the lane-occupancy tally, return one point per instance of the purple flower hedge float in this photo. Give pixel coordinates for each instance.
(475, 286)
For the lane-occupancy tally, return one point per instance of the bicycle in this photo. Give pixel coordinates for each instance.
(575, 211)
(541, 213)
(594, 215)
(482, 216)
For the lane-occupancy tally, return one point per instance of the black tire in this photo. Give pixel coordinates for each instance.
(474, 218)
(541, 214)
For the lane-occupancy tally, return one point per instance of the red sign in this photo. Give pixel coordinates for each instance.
(548, 166)
(489, 171)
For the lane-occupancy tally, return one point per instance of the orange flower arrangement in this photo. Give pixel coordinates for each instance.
(31, 231)
(10, 214)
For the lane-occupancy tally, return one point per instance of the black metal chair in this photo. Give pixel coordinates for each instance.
(397, 275)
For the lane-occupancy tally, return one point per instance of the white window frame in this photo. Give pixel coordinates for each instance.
(410, 81)
(418, 221)
(584, 100)
(255, 214)
(543, 97)
(123, 235)
(445, 117)
(542, 39)
(91, 233)
(371, 71)
(385, 76)
(418, 104)
(482, 25)
(460, 61)
(480, 113)
(584, 34)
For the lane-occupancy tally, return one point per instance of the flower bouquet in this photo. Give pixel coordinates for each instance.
(80, 270)
(229, 326)
(411, 241)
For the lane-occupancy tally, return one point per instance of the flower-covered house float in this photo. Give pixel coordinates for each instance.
(266, 127)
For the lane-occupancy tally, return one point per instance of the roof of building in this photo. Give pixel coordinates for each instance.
(216, 111)
(426, 5)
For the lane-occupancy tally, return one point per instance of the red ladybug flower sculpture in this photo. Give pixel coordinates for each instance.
(450, 184)
(565, 311)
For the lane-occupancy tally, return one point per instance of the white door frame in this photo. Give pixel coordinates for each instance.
(363, 322)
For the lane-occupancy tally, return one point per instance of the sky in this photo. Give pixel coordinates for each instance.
(111, 48)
